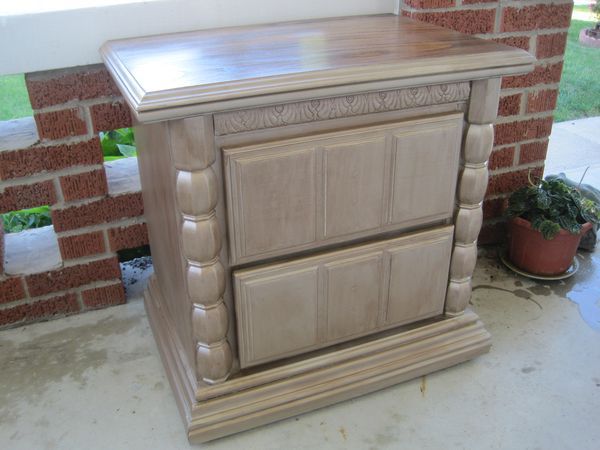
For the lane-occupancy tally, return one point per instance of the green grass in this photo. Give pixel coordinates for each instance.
(14, 101)
(578, 97)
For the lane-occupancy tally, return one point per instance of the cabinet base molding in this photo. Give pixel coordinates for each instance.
(254, 399)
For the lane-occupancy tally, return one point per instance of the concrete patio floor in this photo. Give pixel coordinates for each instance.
(95, 381)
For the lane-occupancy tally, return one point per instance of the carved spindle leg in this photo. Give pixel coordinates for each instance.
(197, 197)
(479, 139)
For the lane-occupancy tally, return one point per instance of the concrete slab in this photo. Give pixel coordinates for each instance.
(95, 381)
(31, 251)
(575, 145)
(123, 176)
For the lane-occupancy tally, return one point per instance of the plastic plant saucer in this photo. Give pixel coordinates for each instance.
(572, 270)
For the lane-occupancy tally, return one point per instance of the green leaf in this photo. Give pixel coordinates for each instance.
(549, 229)
(109, 146)
(127, 150)
(110, 140)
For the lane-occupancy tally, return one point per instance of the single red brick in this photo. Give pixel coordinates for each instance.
(533, 151)
(110, 116)
(511, 181)
(40, 310)
(469, 21)
(60, 124)
(493, 208)
(20, 163)
(60, 86)
(540, 75)
(502, 158)
(99, 211)
(80, 245)
(549, 45)
(74, 276)
(542, 100)
(536, 17)
(515, 41)
(492, 233)
(509, 105)
(429, 4)
(102, 297)
(132, 236)
(11, 289)
(509, 133)
(15, 198)
(84, 185)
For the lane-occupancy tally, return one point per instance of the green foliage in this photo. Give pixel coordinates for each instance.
(14, 100)
(118, 144)
(550, 206)
(27, 218)
(580, 74)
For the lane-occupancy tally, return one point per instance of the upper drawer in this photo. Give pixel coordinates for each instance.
(303, 193)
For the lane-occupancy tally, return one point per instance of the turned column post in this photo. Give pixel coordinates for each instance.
(472, 185)
(192, 142)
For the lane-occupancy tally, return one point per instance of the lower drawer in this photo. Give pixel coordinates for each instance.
(289, 308)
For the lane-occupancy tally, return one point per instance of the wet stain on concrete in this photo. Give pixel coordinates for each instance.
(520, 293)
(540, 289)
(30, 368)
(528, 369)
(583, 288)
(423, 386)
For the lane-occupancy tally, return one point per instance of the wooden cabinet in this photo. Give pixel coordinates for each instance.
(313, 204)
(334, 187)
(309, 303)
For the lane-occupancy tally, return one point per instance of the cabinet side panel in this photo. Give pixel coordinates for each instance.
(158, 189)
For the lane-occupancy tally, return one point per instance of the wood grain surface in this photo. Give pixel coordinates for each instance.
(231, 63)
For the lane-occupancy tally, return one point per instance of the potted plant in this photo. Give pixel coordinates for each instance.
(546, 222)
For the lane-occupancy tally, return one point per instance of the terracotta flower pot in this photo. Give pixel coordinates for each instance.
(528, 250)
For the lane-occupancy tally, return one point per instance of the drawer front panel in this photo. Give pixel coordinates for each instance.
(303, 193)
(309, 303)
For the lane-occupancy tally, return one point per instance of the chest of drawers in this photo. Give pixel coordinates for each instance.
(313, 195)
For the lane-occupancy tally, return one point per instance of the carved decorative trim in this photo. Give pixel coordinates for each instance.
(197, 198)
(337, 107)
(477, 147)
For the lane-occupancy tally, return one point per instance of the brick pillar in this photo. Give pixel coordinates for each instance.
(59, 163)
(527, 101)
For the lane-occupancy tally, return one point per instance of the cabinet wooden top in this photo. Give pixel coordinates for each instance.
(224, 68)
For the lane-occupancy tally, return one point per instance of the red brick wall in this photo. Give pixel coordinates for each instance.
(527, 101)
(65, 169)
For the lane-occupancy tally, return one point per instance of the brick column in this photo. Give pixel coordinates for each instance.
(60, 164)
(527, 101)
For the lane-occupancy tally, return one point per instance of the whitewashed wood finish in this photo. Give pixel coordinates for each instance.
(183, 74)
(312, 191)
(278, 392)
(231, 122)
(322, 169)
(158, 179)
(483, 106)
(197, 197)
(293, 307)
